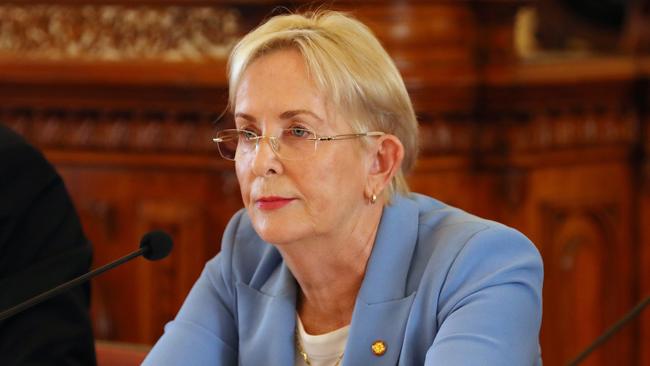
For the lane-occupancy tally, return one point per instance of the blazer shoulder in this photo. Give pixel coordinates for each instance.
(449, 237)
(458, 226)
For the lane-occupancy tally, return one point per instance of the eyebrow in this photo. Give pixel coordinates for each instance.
(245, 116)
(284, 115)
(293, 113)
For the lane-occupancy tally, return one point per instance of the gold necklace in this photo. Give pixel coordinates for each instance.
(302, 352)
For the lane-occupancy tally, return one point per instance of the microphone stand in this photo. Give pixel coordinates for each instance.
(81, 279)
(610, 332)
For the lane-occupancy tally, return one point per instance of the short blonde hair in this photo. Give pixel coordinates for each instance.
(350, 67)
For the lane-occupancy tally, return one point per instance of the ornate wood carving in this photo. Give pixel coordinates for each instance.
(110, 129)
(116, 32)
(446, 134)
(171, 131)
(574, 128)
(189, 131)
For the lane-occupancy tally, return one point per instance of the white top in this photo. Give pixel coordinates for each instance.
(322, 350)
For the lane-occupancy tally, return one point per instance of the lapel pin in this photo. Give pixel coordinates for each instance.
(378, 348)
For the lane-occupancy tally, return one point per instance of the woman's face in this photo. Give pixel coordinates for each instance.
(287, 200)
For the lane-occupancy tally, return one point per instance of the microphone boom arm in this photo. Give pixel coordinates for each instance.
(610, 332)
(77, 281)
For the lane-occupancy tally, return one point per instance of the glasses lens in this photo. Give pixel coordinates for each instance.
(296, 143)
(227, 144)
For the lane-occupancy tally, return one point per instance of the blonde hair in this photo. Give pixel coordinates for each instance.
(349, 65)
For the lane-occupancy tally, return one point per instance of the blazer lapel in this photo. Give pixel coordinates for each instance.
(382, 307)
(267, 319)
(375, 326)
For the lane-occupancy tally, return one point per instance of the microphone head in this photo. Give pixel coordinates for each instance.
(156, 244)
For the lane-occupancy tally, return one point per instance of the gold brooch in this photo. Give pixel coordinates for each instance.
(378, 348)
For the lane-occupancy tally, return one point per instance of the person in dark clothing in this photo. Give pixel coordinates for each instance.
(42, 245)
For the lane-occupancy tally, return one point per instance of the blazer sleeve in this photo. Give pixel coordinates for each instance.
(204, 330)
(491, 303)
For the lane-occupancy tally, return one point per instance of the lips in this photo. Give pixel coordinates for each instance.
(272, 202)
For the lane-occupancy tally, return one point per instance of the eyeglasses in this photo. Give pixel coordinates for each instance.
(296, 143)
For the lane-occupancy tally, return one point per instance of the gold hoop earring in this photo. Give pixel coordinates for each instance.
(373, 199)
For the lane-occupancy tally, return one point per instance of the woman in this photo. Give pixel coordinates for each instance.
(333, 261)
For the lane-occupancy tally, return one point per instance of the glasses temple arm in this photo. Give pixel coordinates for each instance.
(349, 136)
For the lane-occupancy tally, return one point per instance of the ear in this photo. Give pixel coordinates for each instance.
(386, 160)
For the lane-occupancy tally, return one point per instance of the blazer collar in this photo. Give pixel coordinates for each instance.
(267, 316)
(390, 260)
(267, 320)
(383, 306)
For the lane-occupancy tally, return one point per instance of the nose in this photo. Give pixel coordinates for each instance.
(265, 161)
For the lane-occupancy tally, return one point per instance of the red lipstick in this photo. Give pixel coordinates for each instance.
(272, 202)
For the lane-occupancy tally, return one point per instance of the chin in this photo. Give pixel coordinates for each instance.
(283, 225)
(276, 230)
(277, 236)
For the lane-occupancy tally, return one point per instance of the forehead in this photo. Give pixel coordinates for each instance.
(279, 82)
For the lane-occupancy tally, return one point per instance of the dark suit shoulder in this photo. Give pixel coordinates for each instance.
(24, 173)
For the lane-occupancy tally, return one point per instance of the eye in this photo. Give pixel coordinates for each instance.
(298, 132)
(248, 133)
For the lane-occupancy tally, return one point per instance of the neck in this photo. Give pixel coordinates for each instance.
(329, 270)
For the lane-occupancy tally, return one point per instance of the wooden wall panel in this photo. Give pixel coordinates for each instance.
(117, 205)
(454, 181)
(580, 218)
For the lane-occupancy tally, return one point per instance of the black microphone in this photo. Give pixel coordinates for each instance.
(611, 331)
(154, 245)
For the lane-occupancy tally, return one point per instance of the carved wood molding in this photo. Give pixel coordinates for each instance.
(123, 130)
(587, 275)
(446, 135)
(575, 127)
(190, 130)
(163, 130)
(567, 128)
(568, 226)
(117, 32)
(575, 243)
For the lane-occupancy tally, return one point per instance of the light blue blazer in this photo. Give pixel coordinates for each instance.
(442, 287)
